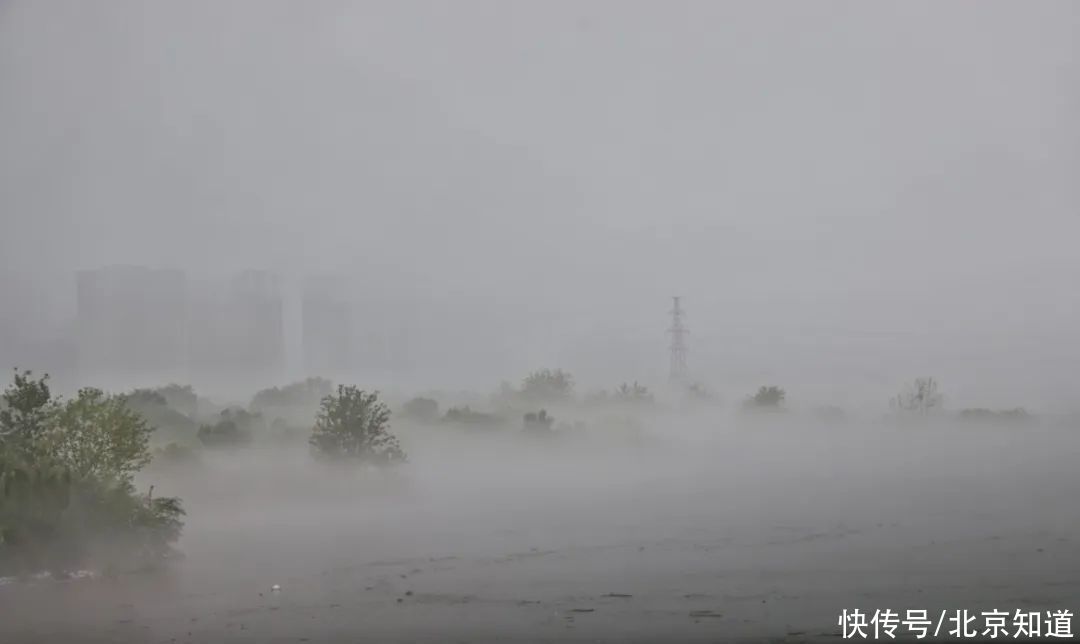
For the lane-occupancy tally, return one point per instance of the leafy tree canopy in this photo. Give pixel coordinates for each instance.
(26, 409)
(355, 424)
(308, 392)
(98, 436)
(768, 397)
(66, 481)
(548, 385)
(234, 427)
(920, 397)
(635, 393)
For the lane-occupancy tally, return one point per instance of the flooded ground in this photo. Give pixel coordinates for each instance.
(689, 533)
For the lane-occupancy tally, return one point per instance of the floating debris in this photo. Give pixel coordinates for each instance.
(705, 613)
(276, 588)
(617, 595)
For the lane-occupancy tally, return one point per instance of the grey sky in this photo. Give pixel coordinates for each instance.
(847, 194)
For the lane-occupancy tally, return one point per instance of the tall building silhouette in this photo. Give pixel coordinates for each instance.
(238, 332)
(131, 325)
(257, 320)
(328, 335)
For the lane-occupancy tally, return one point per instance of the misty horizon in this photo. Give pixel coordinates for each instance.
(604, 320)
(836, 189)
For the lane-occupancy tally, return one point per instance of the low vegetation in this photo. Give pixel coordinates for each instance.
(68, 497)
(421, 409)
(697, 392)
(467, 416)
(919, 398)
(768, 397)
(67, 492)
(1017, 416)
(547, 385)
(538, 421)
(355, 425)
(235, 428)
(295, 403)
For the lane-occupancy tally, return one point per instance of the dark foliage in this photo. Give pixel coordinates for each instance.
(421, 409)
(548, 386)
(538, 421)
(235, 427)
(354, 424)
(467, 416)
(767, 397)
(66, 492)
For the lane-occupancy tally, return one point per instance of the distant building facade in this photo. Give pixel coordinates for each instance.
(238, 332)
(131, 325)
(328, 337)
(257, 311)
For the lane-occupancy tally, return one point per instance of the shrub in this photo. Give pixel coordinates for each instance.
(699, 393)
(634, 394)
(467, 416)
(421, 409)
(298, 398)
(354, 424)
(921, 397)
(1017, 416)
(538, 421)
(233, 429)
(767, 397)
(548, 385)
(67, 496)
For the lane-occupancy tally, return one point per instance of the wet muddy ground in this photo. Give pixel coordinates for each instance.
(734, 535)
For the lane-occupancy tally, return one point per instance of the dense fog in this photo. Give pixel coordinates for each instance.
(334, 321)
(847, 194)
(638, 525)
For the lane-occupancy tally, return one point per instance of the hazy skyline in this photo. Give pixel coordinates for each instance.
(847, 195)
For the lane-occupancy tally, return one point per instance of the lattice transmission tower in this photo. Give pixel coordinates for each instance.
(678, 333)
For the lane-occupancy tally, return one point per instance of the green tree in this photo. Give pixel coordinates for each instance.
(768, 397)
(699, 393)
(170, 425)
(634, 393)
(66, 490)
(538, 421)
(920, 397)
(295, 403)
(355, 424)
(234, 428)
(34, 487)
(309, 392)
(25, 408)
(99, 437)
(548, 385)
(33, 499)
(182, 398)
(468, 416)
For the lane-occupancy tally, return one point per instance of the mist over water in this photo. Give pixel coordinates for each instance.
(435, 201)
(776, 524)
